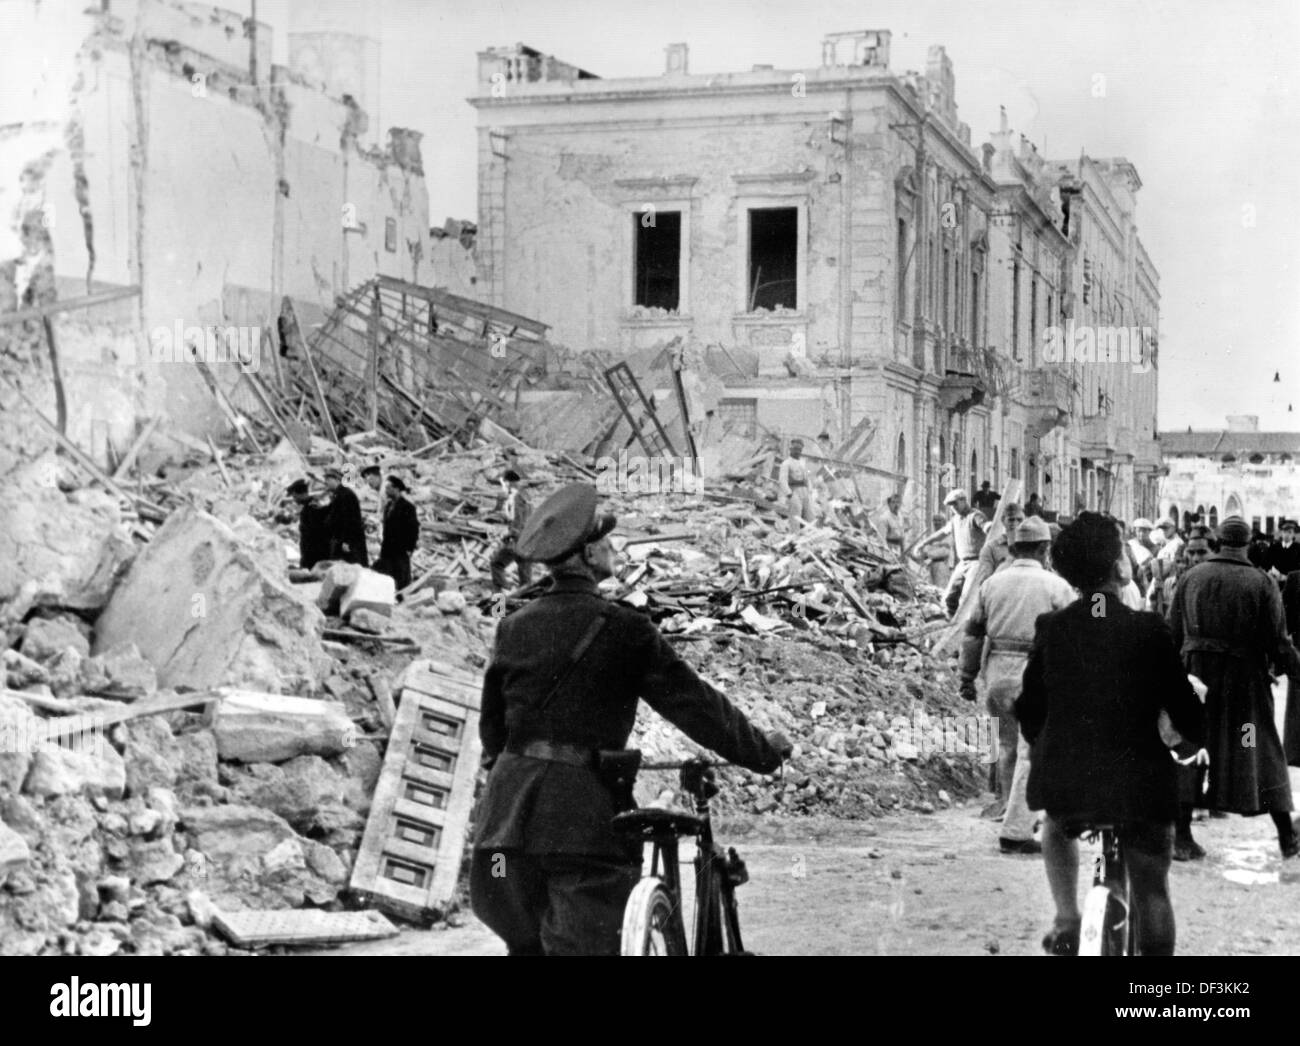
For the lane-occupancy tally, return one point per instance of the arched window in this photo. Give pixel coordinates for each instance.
(1214, 515)
(974, 473)
(900, 462)
(1232, 507)
(1256, 459)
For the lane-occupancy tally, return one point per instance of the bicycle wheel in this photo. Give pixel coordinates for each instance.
(650, 923)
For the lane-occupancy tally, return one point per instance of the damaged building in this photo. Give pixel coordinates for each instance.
(842, 259)
(164, 181)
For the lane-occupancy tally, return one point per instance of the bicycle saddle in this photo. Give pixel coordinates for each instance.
(650, 822)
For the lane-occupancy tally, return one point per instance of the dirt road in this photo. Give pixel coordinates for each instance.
(937, 885)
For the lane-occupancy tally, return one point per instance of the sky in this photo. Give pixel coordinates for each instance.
(1202, 96)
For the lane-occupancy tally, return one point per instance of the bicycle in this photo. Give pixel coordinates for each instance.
(1109, 924)
(652, 919)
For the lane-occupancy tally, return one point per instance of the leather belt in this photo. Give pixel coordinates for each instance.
(1207, 645)
(1010, 646)
(556, 752)
(798, 483)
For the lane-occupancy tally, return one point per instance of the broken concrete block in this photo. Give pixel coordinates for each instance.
(270, 728)
(63, 771)
(47, 636)
(153, 756)
(451, 601)
(295, 790)
(224, 832)
(364, 619)
(154, 862)
(337, 580)
(66, 669)
(21, 671)
(122, 673)
(370, 591)
(61, 551)
(14, 854)
(205, 611)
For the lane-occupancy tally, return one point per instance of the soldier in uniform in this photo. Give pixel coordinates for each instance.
(549, 874)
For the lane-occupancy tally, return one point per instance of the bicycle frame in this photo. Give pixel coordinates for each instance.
(1110, 886)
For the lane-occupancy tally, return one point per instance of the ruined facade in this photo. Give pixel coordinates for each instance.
(177, 159)
(831, 234)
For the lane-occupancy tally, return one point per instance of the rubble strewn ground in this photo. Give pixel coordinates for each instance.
(255, 794)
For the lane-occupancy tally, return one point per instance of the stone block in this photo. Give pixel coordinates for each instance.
(254, 727)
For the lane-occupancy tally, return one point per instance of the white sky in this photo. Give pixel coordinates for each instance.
(1203, 96)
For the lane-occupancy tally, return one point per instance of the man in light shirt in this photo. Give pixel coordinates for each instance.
(999, 635)
(967, 528)
(794, 480)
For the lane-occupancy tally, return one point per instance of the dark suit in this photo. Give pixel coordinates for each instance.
(547, 825)
(1291, 720)
(1097, 677)
(347, 528)
(313, 534)
(401, 537)
(1284, 559)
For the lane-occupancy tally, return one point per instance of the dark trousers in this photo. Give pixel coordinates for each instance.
(502, 558)
(551, 904)
(397, 567)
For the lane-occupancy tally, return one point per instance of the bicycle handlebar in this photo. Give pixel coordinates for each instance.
(681, 763)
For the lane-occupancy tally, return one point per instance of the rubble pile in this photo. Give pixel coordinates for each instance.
(245, 703)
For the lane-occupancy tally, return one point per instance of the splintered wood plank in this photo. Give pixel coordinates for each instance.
(256, 929)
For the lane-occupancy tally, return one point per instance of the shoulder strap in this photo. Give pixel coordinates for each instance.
(576, 654)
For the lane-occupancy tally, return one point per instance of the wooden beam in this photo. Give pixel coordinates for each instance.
(67, 305)
(291, 320)
(372, 364)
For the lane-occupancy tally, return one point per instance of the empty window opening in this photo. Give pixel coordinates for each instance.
(773, 258)
(658, 260)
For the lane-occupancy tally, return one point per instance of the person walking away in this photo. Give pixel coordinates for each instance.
(793, 481)
(347, 528)
(1097, 679)
(516, 507)
(313, 526)
(549, 874)
(1228, 623)
(400, 536)
(967, 529)
(998, 637)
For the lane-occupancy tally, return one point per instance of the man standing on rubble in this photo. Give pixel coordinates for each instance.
(347, 528)
(967, 529)
(996, 554)
(889, 524)
(401, 534)
(313, 526)
(793, 480)
(516, 509)
(999, 635)
(549, 874)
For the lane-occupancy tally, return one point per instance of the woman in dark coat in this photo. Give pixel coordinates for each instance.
(1097, 679)
(1291, 722)
(1227, 621)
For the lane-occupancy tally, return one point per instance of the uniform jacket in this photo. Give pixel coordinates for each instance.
(401, 529)
(1097, 678)
(548, 807)
(347, 527)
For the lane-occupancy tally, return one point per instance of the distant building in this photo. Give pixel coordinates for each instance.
(1237, 471)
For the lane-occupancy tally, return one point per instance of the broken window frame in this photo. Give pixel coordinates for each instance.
(634, 209)
(775, 198)
(639, 227)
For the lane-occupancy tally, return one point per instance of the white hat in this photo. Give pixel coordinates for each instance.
(1142, 524)
(1031, 531)
(954, 496)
